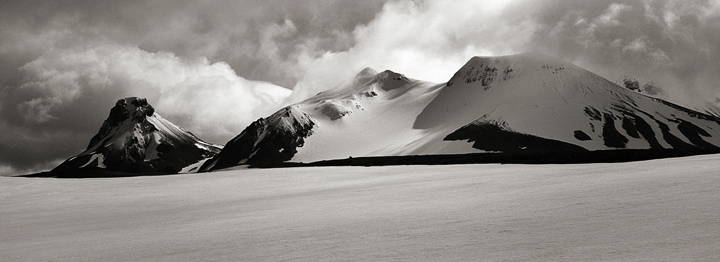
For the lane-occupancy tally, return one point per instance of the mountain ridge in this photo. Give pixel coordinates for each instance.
(528, 102)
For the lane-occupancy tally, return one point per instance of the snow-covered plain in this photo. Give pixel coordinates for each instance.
(659, 210)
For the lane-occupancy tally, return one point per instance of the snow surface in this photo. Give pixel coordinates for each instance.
(659, 210)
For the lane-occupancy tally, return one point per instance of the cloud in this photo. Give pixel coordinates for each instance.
(671, 43)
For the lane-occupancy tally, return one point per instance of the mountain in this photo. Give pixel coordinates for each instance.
(524, 103)
(136, 139)
(551, 99)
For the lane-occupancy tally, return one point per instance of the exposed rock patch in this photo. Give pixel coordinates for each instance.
(582, 136)
(496, 135)
(592, 113)
(485, 74)
(638, 124)
(695, 134)
(611, 136)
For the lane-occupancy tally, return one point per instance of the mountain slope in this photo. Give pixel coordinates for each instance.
(519, 103)
(556, 100)
(372, 114)
(136, 139)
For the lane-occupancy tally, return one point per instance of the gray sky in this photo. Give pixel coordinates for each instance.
(215, 66)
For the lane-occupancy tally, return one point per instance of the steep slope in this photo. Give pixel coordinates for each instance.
(520, 103)
(136, 139)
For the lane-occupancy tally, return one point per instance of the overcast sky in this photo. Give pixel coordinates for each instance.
(213, 67)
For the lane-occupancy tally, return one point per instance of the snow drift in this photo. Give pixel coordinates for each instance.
(519, 103)
(136, 139)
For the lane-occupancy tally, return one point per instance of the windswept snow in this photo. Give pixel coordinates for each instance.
(660, 210)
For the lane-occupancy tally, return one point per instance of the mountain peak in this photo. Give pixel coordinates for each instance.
(135, 138)
(487, 69)
(366, 72)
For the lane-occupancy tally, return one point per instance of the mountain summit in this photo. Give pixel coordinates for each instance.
(136, 139)
(518, 103)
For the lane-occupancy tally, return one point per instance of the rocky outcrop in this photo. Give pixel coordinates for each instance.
(267, 141)
(119, 113)
(497, 136)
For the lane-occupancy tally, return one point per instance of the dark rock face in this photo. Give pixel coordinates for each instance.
(174, 160)
(636, 127)
(119, 113)
(671, 139)
(635, 124)
(265, 142)
(628, 124)
(592, 113)
(237, 149)
(497, 136)
(611, 136)
(693, 133)
(580, 135)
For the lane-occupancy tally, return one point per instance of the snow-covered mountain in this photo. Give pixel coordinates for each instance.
(134, 138)
(518, 103)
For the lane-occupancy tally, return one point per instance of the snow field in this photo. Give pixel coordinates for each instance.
(659, 210)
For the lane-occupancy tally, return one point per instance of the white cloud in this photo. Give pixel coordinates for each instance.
(610, 17)
(637, 45)
(38, 109)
